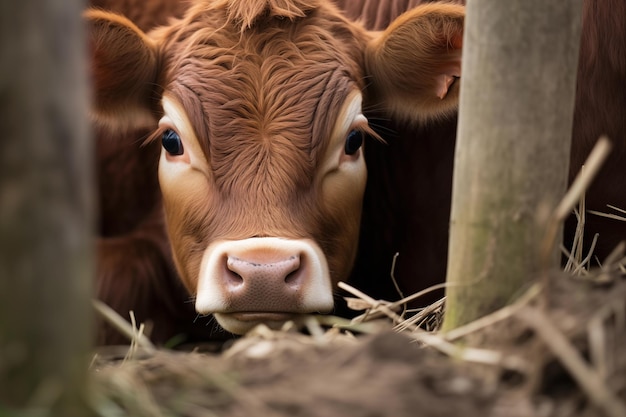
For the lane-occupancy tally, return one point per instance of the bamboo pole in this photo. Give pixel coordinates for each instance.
(45, 209)
(513, 145)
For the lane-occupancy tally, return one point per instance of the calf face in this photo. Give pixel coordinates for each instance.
(259, 109)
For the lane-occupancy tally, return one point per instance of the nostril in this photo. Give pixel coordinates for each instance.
(234, 278)
(233, 274)
(293, 277)
(292, 270)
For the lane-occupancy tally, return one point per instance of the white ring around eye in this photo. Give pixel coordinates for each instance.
(175, 117)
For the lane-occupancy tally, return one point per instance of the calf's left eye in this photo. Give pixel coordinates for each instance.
(172, 143)
(354, 141)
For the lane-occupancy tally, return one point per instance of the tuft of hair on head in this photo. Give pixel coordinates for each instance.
(245, 13)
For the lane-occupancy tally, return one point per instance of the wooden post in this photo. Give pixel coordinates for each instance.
(45, 208)
(513, 144)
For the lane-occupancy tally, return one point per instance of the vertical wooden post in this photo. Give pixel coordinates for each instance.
(513, 144)
(45, 207)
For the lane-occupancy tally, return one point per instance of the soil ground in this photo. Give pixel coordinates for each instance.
(559, 351)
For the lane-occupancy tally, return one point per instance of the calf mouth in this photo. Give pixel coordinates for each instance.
(242, 322)
(262, 316)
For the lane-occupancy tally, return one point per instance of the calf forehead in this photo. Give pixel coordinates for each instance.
(264, 100)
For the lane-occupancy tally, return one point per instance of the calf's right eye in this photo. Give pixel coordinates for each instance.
(172, 143)
(354, 140)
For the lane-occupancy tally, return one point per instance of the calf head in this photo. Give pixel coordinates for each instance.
(259, 106)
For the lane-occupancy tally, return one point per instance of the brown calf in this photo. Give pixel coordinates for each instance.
(259, 106)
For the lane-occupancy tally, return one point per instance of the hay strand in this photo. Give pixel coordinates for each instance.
(584, 178)
(125, 328)
(380, 305)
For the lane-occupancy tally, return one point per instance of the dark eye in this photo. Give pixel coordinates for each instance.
(172, 143)
(354, 142)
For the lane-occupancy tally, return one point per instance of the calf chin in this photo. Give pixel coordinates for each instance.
(262, 280)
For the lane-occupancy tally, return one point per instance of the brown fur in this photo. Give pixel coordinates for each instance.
(145, 14)
(245, 13)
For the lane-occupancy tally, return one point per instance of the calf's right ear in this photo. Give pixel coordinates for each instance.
(123, 69)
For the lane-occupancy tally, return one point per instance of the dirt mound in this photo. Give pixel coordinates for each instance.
(556, 352)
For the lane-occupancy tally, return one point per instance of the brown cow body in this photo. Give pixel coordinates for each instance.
(406, 203)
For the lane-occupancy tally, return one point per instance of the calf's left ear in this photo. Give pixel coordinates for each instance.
(414, 65)
(124, 69)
